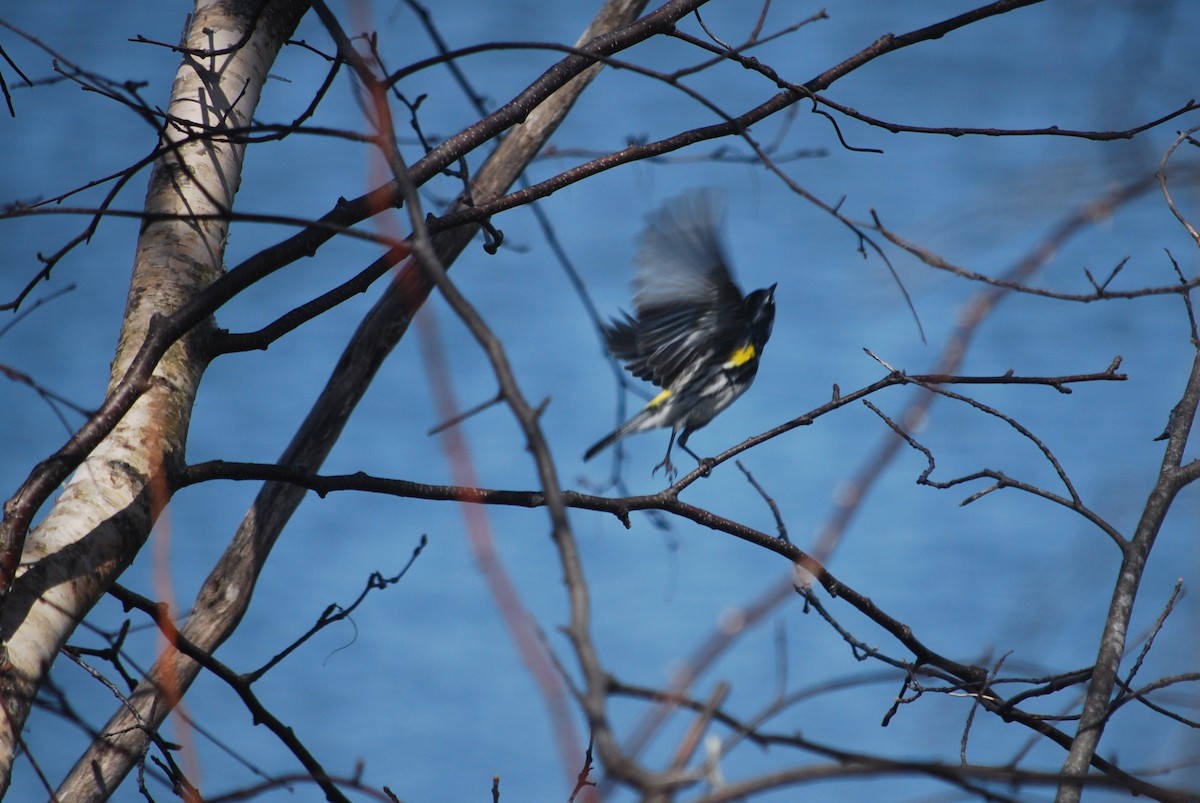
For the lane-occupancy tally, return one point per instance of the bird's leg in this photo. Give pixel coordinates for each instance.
(666, 463)
(706, 463)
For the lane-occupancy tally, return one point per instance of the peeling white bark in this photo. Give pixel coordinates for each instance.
(226, 593)
(105, 513)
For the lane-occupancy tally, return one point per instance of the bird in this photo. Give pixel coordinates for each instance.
(693, 333)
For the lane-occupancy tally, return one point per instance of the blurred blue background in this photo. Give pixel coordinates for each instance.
(425, 686)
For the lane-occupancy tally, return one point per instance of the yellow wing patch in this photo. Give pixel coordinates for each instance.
(659, 399)
(742, 356)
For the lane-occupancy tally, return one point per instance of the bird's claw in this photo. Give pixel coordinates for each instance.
(669, 470)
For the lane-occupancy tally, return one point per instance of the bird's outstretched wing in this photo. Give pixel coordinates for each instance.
(687, 305)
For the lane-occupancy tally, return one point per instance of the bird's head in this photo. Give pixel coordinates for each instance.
(760, 313)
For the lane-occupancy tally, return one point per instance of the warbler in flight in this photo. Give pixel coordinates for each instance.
(692, 333)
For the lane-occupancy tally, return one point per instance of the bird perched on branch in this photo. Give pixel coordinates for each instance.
(693, 333)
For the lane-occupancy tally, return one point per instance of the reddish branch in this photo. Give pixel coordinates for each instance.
(417, 280)
(20, 509)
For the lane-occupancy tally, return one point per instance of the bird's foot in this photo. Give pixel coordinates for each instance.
(668, 469)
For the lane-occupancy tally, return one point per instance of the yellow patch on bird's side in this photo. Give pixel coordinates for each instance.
(742, 356)
(659, 399)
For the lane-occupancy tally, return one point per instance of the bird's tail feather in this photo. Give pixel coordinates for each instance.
(628, 428)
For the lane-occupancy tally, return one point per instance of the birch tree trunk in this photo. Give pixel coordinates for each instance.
(105, 513)
(225, 595)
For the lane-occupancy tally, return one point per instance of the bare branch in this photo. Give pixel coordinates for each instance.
(1097, 706)
(1161, 176)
